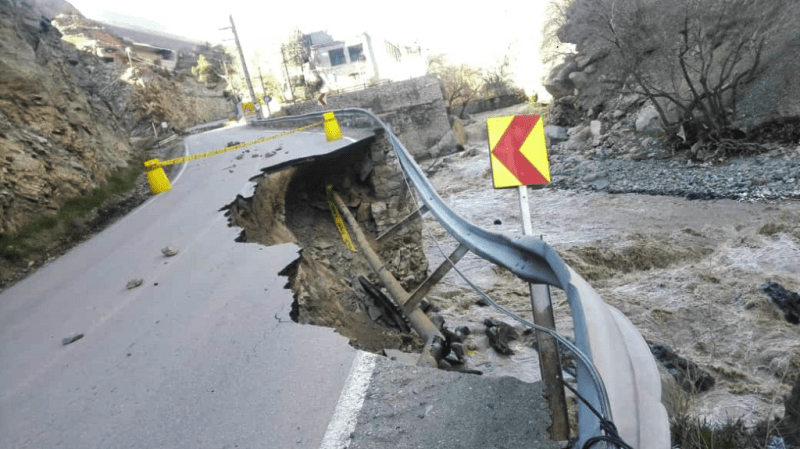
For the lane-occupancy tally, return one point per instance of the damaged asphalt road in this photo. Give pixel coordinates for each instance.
(193, 357)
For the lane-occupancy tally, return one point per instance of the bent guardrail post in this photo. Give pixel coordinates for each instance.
(624, 383)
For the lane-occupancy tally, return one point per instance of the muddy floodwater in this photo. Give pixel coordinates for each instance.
(689, 274)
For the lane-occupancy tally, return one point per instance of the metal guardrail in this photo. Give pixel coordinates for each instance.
(624, 368)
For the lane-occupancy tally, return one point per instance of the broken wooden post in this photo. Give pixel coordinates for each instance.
(419, 321)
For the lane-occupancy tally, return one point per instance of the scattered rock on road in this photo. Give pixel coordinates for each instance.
(169, 251)
(133, 283)
(71, 339)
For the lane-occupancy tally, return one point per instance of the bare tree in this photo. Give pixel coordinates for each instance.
(552, 48)
(499, 79)
(693, 54)
(460, 83)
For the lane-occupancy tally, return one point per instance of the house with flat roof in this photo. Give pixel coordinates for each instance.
(361, 61)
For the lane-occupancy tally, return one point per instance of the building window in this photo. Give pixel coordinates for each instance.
(337, 56)
(355, 52)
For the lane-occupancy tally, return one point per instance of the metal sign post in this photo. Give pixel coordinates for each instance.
(549, 359)
(518, 155)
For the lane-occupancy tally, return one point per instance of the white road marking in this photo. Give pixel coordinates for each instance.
(350, 402)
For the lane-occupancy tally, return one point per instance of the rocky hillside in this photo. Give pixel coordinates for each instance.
(710, 80)
(67, 116)
(56, 139)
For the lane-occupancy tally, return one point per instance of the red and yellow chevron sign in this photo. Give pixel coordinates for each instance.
(518, 151)
(249, 108)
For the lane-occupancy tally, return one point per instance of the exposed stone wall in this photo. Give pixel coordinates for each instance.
(414, 109)
(490, 104)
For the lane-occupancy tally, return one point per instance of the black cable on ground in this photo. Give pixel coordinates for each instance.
(611, 436)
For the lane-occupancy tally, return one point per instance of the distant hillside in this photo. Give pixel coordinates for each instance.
(52, 8)
(154, 38)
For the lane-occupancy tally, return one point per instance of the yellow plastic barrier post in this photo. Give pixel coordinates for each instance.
(332, 131)
(156, 177)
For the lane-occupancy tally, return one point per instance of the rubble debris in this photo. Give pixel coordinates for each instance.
(133, 283)
(434, 352)
(688, 374)
(233, 142)
(383, 310)
(401, 357)
(240, 157)
(500, 334)
(462, 331)
(169, 251)
(788, 302)
(71, 339)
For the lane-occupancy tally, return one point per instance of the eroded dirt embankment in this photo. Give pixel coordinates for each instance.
(290, 206)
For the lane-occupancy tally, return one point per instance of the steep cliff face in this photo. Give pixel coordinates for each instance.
(55, 142)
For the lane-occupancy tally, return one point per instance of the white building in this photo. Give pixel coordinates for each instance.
(361, 61)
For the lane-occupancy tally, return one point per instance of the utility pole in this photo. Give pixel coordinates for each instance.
(259, 116)
(264, 89)
(286, 68)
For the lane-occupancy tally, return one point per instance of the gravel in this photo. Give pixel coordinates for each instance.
(766, 177)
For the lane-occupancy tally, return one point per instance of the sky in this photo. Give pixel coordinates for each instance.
(480, 34)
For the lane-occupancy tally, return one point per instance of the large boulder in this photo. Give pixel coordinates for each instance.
(459, 132)
(564, 113)
(555, 134)
(558, 83)
(580, 138)
(445, 146)
(579, 79)
(648, 122)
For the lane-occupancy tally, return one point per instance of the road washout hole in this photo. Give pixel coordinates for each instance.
(289, 205)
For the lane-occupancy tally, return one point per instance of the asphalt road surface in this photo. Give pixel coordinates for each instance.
(199, 356)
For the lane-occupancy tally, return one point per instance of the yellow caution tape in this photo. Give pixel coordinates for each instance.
(234, 147)
(338, 219)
